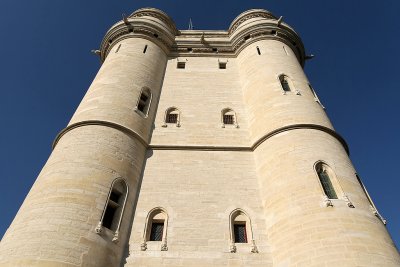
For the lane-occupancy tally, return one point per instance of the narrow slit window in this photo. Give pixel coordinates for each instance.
(258, 50)
(285, 83)
(326, 183)
(181, 65)
(222, 65)
(156, 232)
(239, 231)
(119, 46)
(312, 91)
(145, 49)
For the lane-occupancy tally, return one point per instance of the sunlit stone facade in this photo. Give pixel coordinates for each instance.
(199, 148)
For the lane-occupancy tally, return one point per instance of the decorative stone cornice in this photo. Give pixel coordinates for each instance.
(251, 148)
(148, 23)
(158, 14)
(249, 14)
(249, 27)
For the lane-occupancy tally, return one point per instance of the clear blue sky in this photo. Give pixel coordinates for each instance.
(46, 67)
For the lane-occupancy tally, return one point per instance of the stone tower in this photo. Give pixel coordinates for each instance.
(199, 148)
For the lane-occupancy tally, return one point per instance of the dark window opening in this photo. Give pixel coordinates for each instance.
(109, 216)
(172, 118)
(156, 232)
(273, 32)
(239, 231)
(229, 119)
(155, 35)
(190, 49)
(143, 104)
(327, 184)
(110, 41)
(258, 50)
(247, 37)
(112, 207)
(222, 65)
(181, 65)
(145, 49)
(130, 30)
(215, 49)
(285, 83)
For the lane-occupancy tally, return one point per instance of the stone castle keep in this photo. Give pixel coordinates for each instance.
(199, 148)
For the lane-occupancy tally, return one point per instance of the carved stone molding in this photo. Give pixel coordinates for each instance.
(249, 15)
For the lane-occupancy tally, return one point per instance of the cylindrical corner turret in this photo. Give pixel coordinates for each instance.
(313, 203)
(79, 211)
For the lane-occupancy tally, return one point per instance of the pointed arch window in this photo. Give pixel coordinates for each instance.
(144, 100)
(228, 117)
(241, 231)
(172, 116)
(155, 229)
(325, 180)
(114, 208)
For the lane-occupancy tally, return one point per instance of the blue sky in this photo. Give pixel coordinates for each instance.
(46, 67)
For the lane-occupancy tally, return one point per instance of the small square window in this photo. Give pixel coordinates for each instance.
(156, 231)
(172, 118)
(239, 230)
(229, 119)
(222, 65)
(181, 65)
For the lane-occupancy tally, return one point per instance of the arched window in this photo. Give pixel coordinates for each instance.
(172, 116)
(228, 117)
(323, 172)
(143, 103)
(114, 208)
(155, 229)
(240, 230)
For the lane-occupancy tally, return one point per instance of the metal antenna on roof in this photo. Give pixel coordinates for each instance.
(190, 24)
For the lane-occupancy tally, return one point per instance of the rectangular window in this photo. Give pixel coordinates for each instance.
(229, 119)
(222, 65)
(156, 231)
(181, 65)
(172, 118)
(239, 230)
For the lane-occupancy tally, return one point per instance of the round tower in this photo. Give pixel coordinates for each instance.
(316, 210)
(79, 210)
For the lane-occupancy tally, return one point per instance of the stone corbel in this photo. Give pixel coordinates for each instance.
(327, 201)
(164, 247)
(232, 248)
(143, 246)
(377, 214)
(348, 202)
(99, 228)
(115, 237)
(254, 248)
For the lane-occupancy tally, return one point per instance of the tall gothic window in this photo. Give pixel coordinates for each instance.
(325, 179)
(114, 208)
